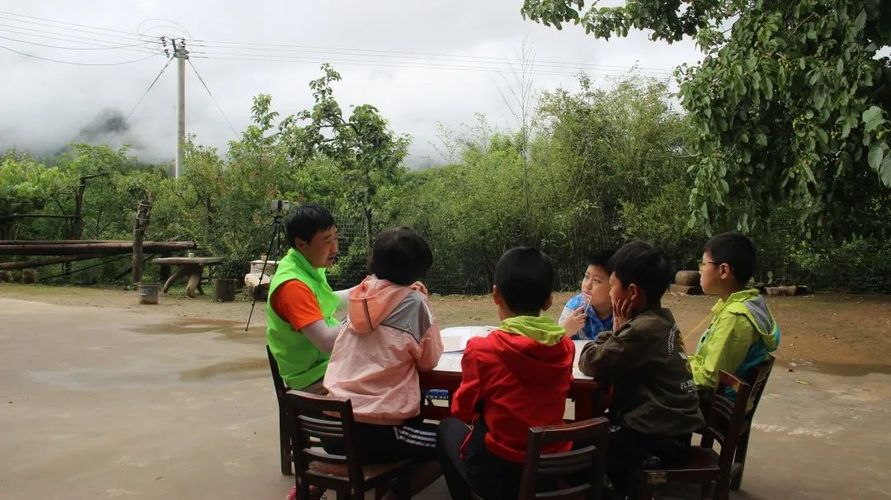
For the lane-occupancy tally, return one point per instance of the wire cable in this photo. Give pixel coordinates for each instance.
(148, 89)
(70, 48)
(78, 63)
(92, 30)
(399, 53)
(212, 98)
(64, 37)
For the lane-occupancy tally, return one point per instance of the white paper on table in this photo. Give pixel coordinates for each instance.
(454, 339)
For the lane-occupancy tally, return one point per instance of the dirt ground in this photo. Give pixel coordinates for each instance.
(839, 333)
(101, 397)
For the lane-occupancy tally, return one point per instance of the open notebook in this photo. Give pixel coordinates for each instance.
(455, 338)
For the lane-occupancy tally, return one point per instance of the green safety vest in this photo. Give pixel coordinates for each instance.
(300, 362)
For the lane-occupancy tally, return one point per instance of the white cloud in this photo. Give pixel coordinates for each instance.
(43, 104)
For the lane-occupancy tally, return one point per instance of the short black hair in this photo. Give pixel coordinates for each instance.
(736, 250)
(400, 255)
(307, 220)
(599, 259)
(643, 264)
(525, 278)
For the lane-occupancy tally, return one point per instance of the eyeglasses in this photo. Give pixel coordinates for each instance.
(703, 263)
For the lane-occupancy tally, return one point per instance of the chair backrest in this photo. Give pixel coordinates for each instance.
(280, 387)
(757, 378)
(587, 460)
(313, 418)
(726, 417)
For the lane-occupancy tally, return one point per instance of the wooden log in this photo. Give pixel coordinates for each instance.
(224, 289)
(687, 278)
(19, 247)
(143, 215)
(22, 264)
(685, 289)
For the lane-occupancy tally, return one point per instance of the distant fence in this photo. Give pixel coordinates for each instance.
(472, 276)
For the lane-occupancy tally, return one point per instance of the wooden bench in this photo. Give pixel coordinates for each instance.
(190, 267)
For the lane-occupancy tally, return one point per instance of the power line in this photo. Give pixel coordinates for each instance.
(31, 32)
(68, 48)
(502, 65)
(94, 30)
(78, 63)
(149, 88)
(398, 54)
(212, 98)
(397, 64)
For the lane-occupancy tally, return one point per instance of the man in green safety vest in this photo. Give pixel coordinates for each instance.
(300, 308)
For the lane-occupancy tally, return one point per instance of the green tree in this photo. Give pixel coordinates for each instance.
(792, 104)
(367, 153)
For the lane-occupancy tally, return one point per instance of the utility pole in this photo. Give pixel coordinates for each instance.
(181, 54)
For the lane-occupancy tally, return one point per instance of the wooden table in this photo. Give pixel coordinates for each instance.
(192, 267)
(584, 391)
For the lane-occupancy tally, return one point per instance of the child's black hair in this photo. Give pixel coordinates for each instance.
(599, 259)
(400, 255)
(525, 278)
(644, 265)
(737, 251)
(307, 220)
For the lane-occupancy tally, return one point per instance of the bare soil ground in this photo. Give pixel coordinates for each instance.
(837, 333)
(101, 397)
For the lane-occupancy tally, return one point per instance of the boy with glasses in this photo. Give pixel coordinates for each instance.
(742, 331)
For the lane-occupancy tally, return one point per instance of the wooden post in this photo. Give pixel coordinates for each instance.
(143, 214)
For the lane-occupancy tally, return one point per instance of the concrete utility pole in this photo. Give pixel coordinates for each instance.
(181, 54)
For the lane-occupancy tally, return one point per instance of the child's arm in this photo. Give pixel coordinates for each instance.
(573, 320)
(465, 399)
(728, 344)
(614, 354)
(431, 346)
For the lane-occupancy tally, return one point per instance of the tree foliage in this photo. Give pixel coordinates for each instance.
(792, 104)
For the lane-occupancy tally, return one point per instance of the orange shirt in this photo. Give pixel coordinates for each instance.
(295, 303)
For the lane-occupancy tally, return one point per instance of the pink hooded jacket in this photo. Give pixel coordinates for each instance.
(390, 334)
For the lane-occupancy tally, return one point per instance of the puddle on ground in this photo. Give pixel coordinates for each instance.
(238, 369)
(230, 330)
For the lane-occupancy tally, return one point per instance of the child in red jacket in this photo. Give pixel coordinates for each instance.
(515, 378)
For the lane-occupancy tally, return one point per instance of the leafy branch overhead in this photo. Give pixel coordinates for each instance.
(790, 102)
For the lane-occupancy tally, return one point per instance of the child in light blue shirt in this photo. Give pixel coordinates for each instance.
(590, 312)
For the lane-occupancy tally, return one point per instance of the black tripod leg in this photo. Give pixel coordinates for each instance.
(273, 243)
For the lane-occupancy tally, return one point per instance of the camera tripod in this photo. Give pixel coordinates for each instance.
(275, 245)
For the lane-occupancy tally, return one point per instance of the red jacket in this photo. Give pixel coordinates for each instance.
(519, 383)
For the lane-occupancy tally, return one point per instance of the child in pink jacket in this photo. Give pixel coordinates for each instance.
(390, 335)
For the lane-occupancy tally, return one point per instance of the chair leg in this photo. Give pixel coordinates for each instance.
(706, 491)
(722, 488)
(740, 458)
(284, 438)
(403, 486)
(302, 490)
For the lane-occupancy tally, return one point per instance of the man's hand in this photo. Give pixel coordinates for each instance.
(417, 285)
(622, 312)
(575, 321)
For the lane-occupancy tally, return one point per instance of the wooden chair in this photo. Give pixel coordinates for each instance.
(587, 461)
(343, 473)
(757, 378)
(283, 431)
(724, 424)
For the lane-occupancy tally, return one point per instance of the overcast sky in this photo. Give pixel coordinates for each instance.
(391, 54)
